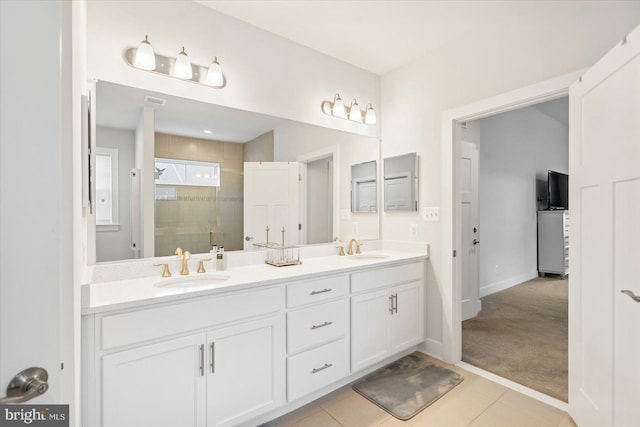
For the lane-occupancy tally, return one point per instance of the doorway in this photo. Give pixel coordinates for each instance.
(451, 218)
(522, 332)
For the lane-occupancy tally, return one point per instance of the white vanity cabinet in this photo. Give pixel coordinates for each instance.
(317, 334)
(387, 312)
(217, 372)
(158, 384)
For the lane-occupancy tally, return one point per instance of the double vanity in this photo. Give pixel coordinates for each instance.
(244, 345)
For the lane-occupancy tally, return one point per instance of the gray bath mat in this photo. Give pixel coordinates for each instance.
(407, 386)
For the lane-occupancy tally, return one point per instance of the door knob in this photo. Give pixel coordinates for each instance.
(26, 385)
(248, 238)
(476, 241)
(631, 295)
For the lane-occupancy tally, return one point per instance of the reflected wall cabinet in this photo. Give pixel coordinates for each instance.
(553, 242)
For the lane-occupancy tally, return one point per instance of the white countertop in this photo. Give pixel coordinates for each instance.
(121, 294)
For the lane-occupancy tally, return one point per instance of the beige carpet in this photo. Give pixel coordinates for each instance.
(521, 334)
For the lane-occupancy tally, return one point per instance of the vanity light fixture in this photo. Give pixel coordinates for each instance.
(337, 109)
(370, 115)
(352, 112)
(182, 69)
(355, 115)
(144, 58)
(214, 74)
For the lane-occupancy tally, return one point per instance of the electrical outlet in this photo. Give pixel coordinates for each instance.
(345, 214)
(413, 230)
(431, 214)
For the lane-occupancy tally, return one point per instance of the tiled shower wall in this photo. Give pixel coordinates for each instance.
(187, 221)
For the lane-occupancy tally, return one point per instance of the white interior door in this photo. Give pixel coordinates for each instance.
(468, 167)
(36, 210)
(604, 179)
(271, 199)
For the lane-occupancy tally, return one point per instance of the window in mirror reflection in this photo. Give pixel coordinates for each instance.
(198, 192)
(401, 183)
(106, 188)
(364, 187)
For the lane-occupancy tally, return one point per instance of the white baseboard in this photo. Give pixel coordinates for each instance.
(506, 284)
(432, 348)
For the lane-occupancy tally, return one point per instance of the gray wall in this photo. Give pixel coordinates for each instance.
(516, 150)
(114, 245)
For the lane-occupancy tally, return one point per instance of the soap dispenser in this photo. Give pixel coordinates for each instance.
(221, 261)
(214, 254)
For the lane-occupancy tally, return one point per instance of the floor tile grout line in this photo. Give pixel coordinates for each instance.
(487, 408)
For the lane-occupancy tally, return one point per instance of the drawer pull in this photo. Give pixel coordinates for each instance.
(201, 360)
(321, 292)
(212, 360)
(321, 368)
(322, 326)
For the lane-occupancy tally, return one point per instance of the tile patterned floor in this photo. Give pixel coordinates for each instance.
(476, 402)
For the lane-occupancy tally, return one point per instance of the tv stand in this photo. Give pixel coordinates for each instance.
(553, 242)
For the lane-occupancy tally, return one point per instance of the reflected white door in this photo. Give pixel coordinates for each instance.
(468, 167)
(604, 179)
(271, 199)
(397, 192)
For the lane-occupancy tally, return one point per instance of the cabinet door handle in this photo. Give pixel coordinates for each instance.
(631, 295)
(322, 325)
(395, 305)
(391, 304)
(212, 358)
(321, 292)
(202, 360)
(321, 368)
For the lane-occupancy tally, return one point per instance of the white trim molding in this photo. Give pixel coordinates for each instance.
(451, 218)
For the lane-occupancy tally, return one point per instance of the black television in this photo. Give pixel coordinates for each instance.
(558, 190)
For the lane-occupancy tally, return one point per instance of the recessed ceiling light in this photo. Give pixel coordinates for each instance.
(207, 131)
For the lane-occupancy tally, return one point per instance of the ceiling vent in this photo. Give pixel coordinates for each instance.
(155, 101)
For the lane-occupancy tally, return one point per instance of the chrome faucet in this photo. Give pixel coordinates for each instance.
(350, 251)
(185, 257)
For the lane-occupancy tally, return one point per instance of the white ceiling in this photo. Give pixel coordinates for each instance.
(380, 36)
(120, 107)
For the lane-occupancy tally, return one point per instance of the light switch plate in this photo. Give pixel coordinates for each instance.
(431, 214)
(413, 230)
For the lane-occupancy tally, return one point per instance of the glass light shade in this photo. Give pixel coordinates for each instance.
(214, 75)
(145, 57)
(370, 116)
(354, 112)
(338, 107)
(182, 68)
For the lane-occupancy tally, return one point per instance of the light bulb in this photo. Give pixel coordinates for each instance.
(370, 116)
(354, 112)
(214, 75)
(338, 106)
(145, 57)
(182, 68)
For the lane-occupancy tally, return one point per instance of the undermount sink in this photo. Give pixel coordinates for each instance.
(190, 282)
(367, 256)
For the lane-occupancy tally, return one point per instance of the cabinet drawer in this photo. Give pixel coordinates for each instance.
(142, 325)
(317, 324)
(387, 276)
(314, 369)
(318, 290)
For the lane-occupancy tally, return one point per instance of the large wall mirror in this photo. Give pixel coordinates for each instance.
(171, 172)
(401, 183)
